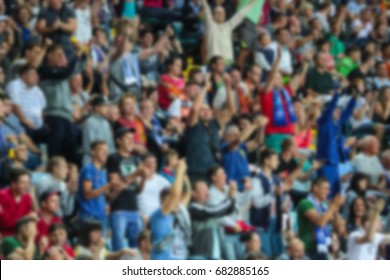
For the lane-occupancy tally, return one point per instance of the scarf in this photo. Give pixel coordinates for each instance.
(280, 118)
(322, 234)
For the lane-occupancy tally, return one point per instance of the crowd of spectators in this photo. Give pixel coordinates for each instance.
(195, 129)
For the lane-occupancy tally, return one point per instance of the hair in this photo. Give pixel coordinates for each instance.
(17, 173)
(246, 237)
(279, 30)
(195, 183)
(194, 71)
(367, 216)
(353, 49)
(265, 155)
(354, 184)
(144, 235)
(215, 59)
(96, 144)
(86, 228)
(256, 256)
(172, 59)
(148, 155)
(23, 222)
(351, 214)
(123, 98)
(318, 182)
(19, 9)
(56, 226)
(25, 69)
(96, 30)
(171, 153)
(4, 97)
(213, 170)
(53, 48)
(164, 194)
(286, 144)
(29, 46)
(54, 162)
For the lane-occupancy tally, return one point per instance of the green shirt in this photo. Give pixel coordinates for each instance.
(306, 229)
(254, 14)
(321, 83)
(337, 46)
(9, 245)
(346, 66)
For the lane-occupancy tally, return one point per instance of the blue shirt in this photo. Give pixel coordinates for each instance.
(162, 235)
(235, 163)
(93, 208)
(3, 142)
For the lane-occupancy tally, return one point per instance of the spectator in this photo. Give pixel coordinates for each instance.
(82, 14)
(58, 23)
(93, 185)
(15, 201)
(252, 243)
(313, 219)
(153, 183)
(58, 237)
(357, 209)
(295, 251)
(49, 203)
(319, 81)
(23, 243)
(54, 74)
(363, 243)
(126, 222)
(97, 127)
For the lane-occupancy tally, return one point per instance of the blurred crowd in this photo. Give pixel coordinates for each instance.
(194, 129)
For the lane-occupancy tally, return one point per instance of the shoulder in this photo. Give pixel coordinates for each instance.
(305, 205)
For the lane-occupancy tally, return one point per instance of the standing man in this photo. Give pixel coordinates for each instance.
(125, 219)
(93, 185)
(58, 23)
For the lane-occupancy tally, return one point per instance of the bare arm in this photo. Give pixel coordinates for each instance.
(269, 84)
(90, 193)
(297, 80)
(176, 189)
(225, 115)
(374, 218)
(194, 114)
(321, 220)
(238, 17)
(69, 26)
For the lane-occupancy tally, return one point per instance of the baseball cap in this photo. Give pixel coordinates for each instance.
(45, 195)
(122, 131)
(99, 101)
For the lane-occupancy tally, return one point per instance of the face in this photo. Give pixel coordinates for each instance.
(55, 4)
(254, 245)
(95, 236)
(7, 107)
(102, 110)
(363, 184)
(34, 52)
(100, 37)
(147, 109)
(126, 142)
(359, 208)
(2, 76)
(321, 60)
(113, 113)
(57, 58)
(382, 70)
(21, 185)
(192, 91)
(232, 136)
(297, 251)
(176, 67)
(284, 37)
(273, 162)
(201, 194)
(219, 15)
(100, 153)
(235, 77)
(61, 171)
(147, 40)
(219, 66)
(219, 178)
(278, 81)
(31, 78)
(52, 204)
(322, 191)
(128, 108)
(205, 113)
(58, 237)
(151, 163)
(24, 16)
(146, 245)
(265, 39)
(355, 56)
(21, 153)
(255, 75)
(76, 83)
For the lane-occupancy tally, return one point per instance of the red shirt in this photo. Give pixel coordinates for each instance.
(43, 226)
(266, 102)
(138, 126)
(153, 3)
(69, 250)
(11, 210)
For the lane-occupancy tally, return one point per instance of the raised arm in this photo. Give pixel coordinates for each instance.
(194, 114)
(348, 111)
(297, 80)
(374, 219)
(176, 189)
(238, 17)
(329, 109)
(269, 84)
(207, 12)
(227, 113)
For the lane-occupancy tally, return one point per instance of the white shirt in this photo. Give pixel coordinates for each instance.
(149, 198)
(31, 100)
(365, 251)
(84, 27)
(365, 31)
(369, 165)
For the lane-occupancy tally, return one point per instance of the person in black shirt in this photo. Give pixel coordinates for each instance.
(126, 222)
